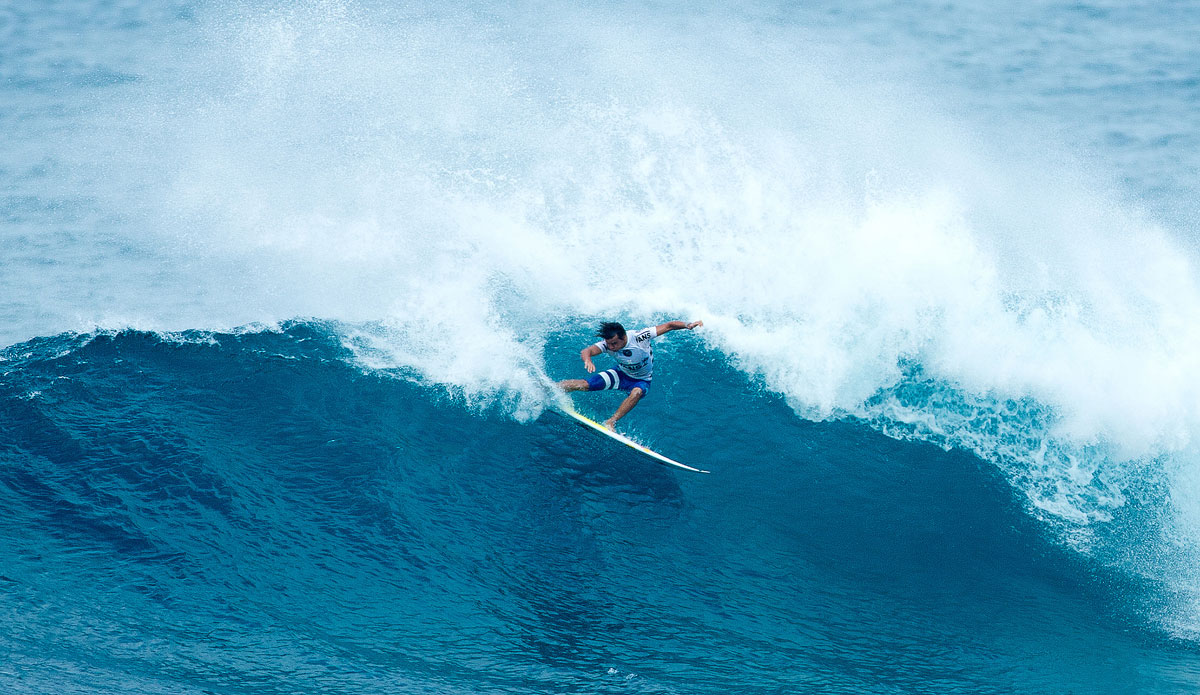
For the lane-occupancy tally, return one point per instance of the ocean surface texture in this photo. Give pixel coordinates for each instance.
(282, 285)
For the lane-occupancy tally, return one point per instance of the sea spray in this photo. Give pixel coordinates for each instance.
(455, 186)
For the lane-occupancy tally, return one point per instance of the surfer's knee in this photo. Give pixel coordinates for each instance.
(573, 385)
(636, 393)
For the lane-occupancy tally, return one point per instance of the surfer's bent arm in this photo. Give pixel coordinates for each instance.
(676, 326)
(587, 354)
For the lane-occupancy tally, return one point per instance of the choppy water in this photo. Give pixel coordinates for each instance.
(281, 283)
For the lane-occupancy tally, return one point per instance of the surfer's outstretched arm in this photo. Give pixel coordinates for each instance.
(676, 326)
(586, 355)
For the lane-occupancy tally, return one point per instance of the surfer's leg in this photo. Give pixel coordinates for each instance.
(631, 400)
(596, 382)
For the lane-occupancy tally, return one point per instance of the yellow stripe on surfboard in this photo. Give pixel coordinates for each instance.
(592, 424)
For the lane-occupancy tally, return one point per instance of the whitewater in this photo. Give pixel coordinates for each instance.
(283, 283)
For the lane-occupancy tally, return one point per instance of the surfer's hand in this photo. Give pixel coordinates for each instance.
(694, 325)
(590, 366)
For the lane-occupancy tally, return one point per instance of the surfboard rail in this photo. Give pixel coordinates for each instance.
(592, 424)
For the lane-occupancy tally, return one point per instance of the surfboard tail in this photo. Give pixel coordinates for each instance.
(591, 424)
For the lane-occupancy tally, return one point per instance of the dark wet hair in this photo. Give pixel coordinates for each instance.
(610, 329)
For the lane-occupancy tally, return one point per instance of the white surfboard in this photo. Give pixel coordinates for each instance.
(592, 424)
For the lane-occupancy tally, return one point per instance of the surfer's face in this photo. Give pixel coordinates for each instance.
(616, 342)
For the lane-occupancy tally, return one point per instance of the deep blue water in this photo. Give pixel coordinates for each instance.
(282, 284)
(248, 513)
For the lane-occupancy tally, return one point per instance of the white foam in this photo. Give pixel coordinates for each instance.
(459, 181)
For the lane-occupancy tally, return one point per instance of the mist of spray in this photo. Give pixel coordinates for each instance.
(453, 185)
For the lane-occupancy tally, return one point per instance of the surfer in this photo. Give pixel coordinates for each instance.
(635, 363)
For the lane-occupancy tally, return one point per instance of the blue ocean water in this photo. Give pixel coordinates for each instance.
(282, 284)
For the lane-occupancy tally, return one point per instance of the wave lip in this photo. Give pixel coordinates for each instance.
(448, 189)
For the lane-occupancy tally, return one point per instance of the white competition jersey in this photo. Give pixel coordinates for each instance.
(636, 359)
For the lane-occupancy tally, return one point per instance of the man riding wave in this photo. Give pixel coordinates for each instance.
(635, 363)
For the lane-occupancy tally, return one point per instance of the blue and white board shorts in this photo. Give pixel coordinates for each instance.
(616, 379)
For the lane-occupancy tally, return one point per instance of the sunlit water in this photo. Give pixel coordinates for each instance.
(283, 284)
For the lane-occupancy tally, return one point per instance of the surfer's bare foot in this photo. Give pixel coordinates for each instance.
(611, 424)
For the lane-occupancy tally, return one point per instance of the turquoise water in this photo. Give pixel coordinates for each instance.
(282, 284)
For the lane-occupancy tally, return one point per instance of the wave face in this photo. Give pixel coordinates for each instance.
(250, 513)
(283, 284)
